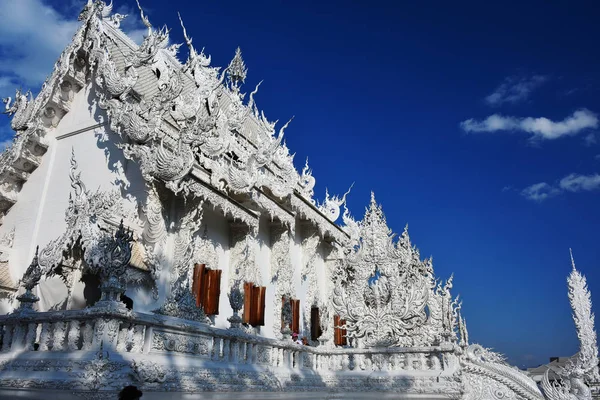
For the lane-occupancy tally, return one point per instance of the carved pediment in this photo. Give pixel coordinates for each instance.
(384, 291)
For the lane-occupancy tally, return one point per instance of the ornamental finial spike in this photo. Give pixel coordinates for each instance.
(144, 18)
(237, 70)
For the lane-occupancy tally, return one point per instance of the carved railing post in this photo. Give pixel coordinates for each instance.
(110, 258)
(7, 337)
(236, 301)
(30, 279)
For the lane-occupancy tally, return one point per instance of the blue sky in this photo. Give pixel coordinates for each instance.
(475, 123)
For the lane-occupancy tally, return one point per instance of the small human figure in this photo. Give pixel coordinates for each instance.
(130, 393)
(295, 338)
(305, 341)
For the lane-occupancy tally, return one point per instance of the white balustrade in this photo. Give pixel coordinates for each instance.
(78, 330)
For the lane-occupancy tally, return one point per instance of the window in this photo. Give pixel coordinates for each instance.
(206, 286)
(91, 289)
(315, 324)
(254, 304)
(339, 334)
(295, 305)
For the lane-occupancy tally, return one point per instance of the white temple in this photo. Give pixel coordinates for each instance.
(156, 233)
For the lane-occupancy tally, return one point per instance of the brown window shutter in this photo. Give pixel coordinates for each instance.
(295, 315)
(254, 305)
(283, 298)
(248, 292)
(198, 283)
(212, 292)
(336, 330)
(339, 334)
(258, 306)
(315, 324)
(261, 303)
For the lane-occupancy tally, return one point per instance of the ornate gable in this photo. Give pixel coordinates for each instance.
(386, 294)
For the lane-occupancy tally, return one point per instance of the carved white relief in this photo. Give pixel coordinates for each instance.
(281, 274)
(383, 289)
(242, 256)
(331, 206)
(88, 216)
(186, 246)
(584, 367)
(148, 371)
(489, 376)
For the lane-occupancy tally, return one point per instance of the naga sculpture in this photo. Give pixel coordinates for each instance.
(20, 110)
(584, 367)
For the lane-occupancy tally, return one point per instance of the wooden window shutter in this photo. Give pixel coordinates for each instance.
(254, 304)
(315, 324)
(258, 309)
(248, 291)
(339, 334)
(212, 292)
(198, 282)
(295, 326)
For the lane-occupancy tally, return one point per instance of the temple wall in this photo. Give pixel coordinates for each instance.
(39, 217)
(39, 214)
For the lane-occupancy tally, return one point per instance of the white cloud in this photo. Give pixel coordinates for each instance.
(579, 183)
(539, 192)
(571, 183)
(4, 144)
(590, 140)
(540, 128)
(514, 89)
(32, 36)
(132, 25)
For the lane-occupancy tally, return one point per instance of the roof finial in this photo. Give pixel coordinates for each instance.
(237, 69)
(188, 40)
(144, 18)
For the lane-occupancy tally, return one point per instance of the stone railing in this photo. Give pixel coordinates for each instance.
(119, 331)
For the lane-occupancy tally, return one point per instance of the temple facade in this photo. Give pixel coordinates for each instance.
(155, 232)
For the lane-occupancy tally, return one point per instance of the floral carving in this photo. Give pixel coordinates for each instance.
(148, 371)
(162, 341)
(383, 289)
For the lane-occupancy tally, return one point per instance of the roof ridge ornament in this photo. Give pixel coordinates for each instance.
(237, 70)
(331, 205)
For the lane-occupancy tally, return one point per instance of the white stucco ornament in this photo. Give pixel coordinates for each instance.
(210, 180)
(584, 367)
